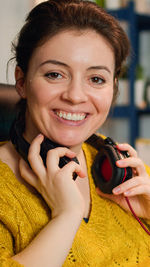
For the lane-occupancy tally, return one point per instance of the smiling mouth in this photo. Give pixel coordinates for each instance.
(71, 116)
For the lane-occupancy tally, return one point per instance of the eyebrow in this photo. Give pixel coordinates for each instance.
(99, 68)
(55, 62)
(59, 63)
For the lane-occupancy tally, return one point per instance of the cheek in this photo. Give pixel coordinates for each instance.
(41, 98)
(38, 95)
(103, 101)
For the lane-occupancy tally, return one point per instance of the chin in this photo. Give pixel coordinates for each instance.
(68, 141)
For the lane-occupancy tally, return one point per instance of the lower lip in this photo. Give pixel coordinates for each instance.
(70, 122)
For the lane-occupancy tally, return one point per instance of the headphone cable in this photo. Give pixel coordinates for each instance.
(136, 217)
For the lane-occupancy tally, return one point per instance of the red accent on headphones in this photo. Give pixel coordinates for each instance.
(105, 172)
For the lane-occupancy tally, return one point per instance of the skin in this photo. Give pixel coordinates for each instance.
(84, 81)
(71, 73)
(84, 85)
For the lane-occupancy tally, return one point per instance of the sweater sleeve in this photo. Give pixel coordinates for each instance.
(6, 248)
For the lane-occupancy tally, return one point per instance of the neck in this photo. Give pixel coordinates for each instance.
(77, 149)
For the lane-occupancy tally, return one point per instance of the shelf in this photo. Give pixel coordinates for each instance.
(145, 111)
(120, 112)
(143, 22)
(119, 14)
(125, 111)
(137, 22)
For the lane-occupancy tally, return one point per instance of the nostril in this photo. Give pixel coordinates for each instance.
(74, 96)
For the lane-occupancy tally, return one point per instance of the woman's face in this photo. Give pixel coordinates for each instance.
(69, 87)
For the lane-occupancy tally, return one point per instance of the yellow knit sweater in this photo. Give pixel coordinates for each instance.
(111, 238)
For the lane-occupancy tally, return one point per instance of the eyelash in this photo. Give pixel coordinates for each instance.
(56, 74)
(96, 78)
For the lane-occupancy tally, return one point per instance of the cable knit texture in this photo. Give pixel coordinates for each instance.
(111, 238)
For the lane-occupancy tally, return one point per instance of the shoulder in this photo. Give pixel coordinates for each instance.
(8, 167)
(6, 150)
(4, 156)
(7, 178)
(9, 156)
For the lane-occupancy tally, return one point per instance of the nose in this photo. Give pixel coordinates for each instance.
(75, 92)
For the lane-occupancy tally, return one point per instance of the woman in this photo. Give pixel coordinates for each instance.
(68, 59)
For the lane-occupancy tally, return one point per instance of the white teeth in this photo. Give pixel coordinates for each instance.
(60, 114)
(68, 117)
(71, 117)
(74, 117)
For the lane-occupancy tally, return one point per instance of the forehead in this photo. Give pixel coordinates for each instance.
(78, 46)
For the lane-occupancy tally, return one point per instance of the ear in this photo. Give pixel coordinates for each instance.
(116, 83)
(20, 82)
(115, 89)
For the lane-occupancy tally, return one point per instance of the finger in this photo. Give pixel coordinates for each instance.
(72, 167)
(133, 182)
(138, 190)
(34, 157)
(27, 174)
(54, 155)
(126, 147)
(133, 163)
(67, 172)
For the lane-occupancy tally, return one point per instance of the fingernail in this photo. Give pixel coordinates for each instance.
(120, 145)
(116, 190)
(127, 193)
(40, 135)
(120, 162)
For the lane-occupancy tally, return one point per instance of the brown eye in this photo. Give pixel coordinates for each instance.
(97, 80)
(53, 75)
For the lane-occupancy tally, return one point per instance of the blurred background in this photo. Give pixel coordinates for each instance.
(129, 120)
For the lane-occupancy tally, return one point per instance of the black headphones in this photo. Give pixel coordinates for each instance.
(22, 146)
(105, 173)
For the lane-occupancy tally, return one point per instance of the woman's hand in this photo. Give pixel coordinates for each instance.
(137, 189)
(55, 184)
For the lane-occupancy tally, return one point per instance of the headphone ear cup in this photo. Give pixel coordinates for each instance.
(105, 173)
